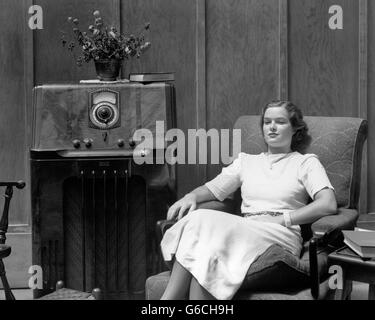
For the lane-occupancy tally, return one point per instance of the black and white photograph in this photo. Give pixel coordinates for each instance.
(219, 151)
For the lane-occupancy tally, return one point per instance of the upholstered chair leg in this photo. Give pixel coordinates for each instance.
(8, 293)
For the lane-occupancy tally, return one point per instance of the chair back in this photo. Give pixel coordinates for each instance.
(338, 143)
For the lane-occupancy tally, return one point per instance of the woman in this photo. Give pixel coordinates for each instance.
(213, 250)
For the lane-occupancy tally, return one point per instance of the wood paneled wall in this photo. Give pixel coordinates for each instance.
(371, 105)
(243, 60)
(12, 106)
(230, 57)
(323, 63)
(14, 66)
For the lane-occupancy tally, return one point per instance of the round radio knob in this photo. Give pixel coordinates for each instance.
(88, 143)
(120, 142)
(131, 143)
(76, 143)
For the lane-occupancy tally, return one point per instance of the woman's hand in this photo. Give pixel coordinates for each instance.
(187, 203)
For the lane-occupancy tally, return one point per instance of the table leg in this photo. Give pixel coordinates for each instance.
(345, 292)
(371, 292)
(349, 289)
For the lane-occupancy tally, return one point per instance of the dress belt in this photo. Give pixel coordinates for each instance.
(260, 213)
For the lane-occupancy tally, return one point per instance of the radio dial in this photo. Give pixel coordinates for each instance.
(104, 114)
(104, 109)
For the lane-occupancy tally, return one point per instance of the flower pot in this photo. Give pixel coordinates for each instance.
(108, 70)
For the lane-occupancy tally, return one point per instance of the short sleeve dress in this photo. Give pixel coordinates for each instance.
(217, 248)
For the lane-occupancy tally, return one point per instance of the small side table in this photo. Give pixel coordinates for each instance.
(366, 221)
(354, 268)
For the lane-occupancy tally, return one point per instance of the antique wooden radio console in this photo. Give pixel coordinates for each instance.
(93, 208)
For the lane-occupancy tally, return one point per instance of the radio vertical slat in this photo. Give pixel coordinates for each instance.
(117, 230)
(56, 247)
(127, 228)
(106, 249)
(45, 267)
(94, 226)
(50, 266)
(83, 228)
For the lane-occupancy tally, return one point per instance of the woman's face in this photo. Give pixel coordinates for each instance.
(277, 130)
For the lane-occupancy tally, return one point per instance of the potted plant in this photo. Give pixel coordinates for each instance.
(105, 46)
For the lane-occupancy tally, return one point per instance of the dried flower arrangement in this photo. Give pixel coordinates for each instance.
(101, 43)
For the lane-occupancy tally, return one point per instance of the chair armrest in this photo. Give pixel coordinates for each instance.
(326, 230)
(162, 226)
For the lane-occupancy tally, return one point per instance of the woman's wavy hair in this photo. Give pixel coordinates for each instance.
(301, 139)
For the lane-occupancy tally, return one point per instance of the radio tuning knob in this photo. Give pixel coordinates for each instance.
(76, 143)
(88, 142)
(120, 142)
(131, 143)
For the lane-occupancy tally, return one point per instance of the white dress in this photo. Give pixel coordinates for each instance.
(218, 248)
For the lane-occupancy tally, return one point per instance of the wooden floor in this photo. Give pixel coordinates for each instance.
(360, 292)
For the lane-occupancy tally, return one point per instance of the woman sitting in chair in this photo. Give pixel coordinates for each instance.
(212, 250)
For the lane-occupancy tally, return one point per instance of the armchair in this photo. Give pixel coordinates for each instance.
(4, 249)
(338, 142)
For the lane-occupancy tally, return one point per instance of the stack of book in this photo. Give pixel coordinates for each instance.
(97, 81)
(361, 241)
(151, 77)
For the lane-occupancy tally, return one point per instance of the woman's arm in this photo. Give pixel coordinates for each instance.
(222, 186)
(189, 202)
(324, 204)
(313, 176)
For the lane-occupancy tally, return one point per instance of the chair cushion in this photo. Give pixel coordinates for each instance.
(4, 251)
(274, 270)
(156, 285)
(265, 273)
(324, 293)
